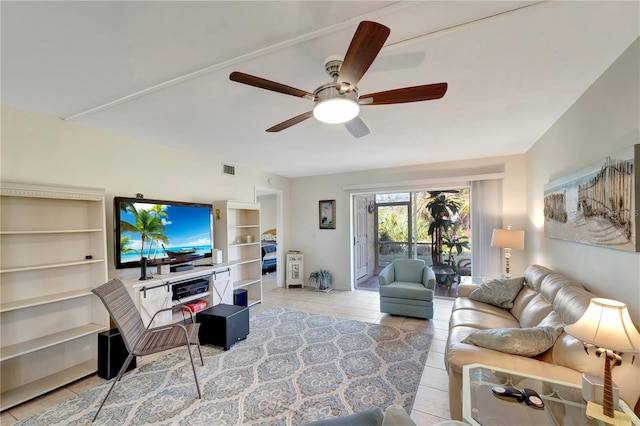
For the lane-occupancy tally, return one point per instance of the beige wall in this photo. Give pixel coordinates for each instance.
(267, 211)
(38, 148)
(604, 120)
(331, 249)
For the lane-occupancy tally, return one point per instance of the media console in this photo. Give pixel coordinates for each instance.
(209, 283)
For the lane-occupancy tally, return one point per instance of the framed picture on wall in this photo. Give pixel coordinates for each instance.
(327, 214)
(598, 204)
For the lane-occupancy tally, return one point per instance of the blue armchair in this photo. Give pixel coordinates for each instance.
(406, 288)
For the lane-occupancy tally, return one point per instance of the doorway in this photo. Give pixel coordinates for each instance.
(272, 235)
(389, 226)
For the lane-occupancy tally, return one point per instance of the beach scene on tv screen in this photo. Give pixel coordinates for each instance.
(161, 231)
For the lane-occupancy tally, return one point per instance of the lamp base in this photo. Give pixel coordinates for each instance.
(619, 419)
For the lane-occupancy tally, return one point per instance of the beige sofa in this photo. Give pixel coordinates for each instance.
(547, 298)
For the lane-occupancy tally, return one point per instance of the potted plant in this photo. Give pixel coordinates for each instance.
(457, 242)
(322, 280)
(443, 212)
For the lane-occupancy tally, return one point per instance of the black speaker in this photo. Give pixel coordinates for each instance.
(240, 297)
(112, 353)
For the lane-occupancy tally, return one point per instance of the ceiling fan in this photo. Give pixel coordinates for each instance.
(339, 101)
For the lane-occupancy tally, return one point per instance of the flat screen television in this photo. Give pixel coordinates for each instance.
(160, 230)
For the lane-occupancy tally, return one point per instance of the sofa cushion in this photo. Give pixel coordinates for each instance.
(499, 293)
(521, 301)
(571, 302)
(534, 275)
(481, 320)
(406, 290)
(517, 341)
(466, 303)
(535, 311)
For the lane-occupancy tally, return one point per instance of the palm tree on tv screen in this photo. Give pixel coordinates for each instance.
(148, 223)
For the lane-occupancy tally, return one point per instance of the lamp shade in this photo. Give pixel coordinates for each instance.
(606, 323)
(508, 238)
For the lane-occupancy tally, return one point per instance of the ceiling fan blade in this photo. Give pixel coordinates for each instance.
(263, 83)
(357, 127)
(365, 46)
(407, 94)
(290, 122)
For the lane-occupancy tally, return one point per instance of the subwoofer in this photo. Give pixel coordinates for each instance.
(112, 353)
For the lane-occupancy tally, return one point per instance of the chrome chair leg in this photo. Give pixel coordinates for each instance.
(117, 379)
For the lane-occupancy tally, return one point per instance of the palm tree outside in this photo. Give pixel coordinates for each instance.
(443, 210)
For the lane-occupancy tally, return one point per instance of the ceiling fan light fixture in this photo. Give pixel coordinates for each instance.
(336, 110)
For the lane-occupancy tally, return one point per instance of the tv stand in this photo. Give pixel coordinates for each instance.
(157, 293)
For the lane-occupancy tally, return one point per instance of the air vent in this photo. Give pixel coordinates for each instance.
(228, 169)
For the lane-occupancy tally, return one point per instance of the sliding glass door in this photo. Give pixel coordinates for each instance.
(393, 228)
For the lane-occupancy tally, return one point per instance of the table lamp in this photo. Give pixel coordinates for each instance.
(606, 324)
(507, 239)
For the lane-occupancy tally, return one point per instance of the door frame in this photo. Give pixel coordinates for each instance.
(279, 228)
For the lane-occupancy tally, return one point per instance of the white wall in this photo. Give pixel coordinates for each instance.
(603, 121)
(330, 249)
(267, 211)
(38, 148)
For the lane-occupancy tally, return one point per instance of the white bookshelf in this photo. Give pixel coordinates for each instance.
(53, 252)
(237, 234)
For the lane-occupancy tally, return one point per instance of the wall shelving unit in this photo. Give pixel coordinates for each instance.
(237, 234)
(53, 252)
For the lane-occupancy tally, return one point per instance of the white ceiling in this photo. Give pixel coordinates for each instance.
(160, 71)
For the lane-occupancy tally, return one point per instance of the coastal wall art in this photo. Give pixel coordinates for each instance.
(597, 204)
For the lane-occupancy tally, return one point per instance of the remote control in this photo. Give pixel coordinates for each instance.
(507, 392)
(532, 398)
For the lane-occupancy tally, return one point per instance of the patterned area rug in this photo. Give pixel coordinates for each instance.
(294, 367)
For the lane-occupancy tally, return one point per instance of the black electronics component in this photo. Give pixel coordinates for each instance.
(507, 392)
(190, 288)
(532, 398)
(181, 267)
(112, 353)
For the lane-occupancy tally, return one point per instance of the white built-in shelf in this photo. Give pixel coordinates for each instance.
(29, 346)
(51, 265)
(246, 282)
(240, 221)
(243, 261)
(45, 282)
(43, 300)
(46, 384)
(53, 231)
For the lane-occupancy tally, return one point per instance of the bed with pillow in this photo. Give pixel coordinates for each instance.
(268, 240)
(518, 324)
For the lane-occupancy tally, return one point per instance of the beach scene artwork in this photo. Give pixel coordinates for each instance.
(597, 204)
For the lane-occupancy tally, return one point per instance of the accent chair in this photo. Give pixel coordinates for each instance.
(140, 340)
(406, 288)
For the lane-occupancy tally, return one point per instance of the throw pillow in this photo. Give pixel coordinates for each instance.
(517, 341)
(499, 293)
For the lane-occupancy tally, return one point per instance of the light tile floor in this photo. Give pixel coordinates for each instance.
(432, 400)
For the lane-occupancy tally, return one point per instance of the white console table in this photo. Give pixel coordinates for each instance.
(156, 293)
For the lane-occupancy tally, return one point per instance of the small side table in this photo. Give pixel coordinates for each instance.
(471, 280)
(223, 325)
(295, 269)
(563, 401)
